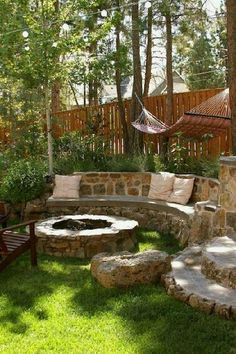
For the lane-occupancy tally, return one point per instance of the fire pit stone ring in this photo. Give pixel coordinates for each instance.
(84, 236)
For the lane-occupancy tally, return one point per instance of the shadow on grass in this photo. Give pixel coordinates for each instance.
(153, 321)
(149, 239)
(157, 323)
(22, 286)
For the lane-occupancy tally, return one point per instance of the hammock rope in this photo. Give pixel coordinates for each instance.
(147, 122)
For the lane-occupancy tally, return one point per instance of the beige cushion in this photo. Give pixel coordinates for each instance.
(182, 190)
(66, 186)
(161, 185)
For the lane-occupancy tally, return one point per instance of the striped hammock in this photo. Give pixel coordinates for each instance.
(209, 117)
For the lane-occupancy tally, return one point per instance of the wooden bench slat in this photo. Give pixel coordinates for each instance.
(13, 244)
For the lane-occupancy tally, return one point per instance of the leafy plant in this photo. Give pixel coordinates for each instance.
(210, 168)
(138, 163)
(74, 149)
(23, 182)
(69, 165)
(158, 164)
(177, 155)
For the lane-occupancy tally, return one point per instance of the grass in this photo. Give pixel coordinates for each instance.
(59, 308)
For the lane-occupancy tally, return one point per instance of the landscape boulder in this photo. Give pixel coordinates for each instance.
(125, 269)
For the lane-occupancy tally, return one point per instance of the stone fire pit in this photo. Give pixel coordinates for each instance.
(84, 236)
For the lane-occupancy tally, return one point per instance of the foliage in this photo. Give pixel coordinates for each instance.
(69, 165)
(23, 181)
(158, 164)
(76, 152)
(205, 73)
(177, 155)
(48, 308)
(210, 168)
(205, 36)
(136, 163)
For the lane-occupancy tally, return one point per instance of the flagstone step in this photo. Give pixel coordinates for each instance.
(186, 283)
(219, 261)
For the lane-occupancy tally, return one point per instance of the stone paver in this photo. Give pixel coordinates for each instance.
(186, 283)
(219, 260)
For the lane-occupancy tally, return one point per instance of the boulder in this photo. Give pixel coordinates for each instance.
(125, 269)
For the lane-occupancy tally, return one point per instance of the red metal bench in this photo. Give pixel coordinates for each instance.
(14, 242)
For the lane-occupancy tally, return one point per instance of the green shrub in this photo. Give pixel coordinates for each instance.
(23, 181)
(68, 165)
(123, 163)
(210, 168)
(73, 144)
(158, 164)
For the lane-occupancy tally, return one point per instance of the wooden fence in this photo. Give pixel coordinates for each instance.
(104, 120)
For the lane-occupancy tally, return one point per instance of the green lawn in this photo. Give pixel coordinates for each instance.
(59, 308)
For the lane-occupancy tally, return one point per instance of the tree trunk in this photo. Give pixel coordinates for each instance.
(56, 86)
(93, 84)
(169, 72)
(118, 87)
(169, 81)
(231, 33)
(49, 131)
(55, 96)
(136, 137)
(148, 72)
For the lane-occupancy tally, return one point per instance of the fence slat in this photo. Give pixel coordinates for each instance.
(110, 125)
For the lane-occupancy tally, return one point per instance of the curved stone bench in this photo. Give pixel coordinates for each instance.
(126, 194)
(163, 216)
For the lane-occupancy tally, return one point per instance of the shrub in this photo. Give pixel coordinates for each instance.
(68, 165)
(210, 168)
(23, 182)
(138, 163)
(158, 164)
(80, 147)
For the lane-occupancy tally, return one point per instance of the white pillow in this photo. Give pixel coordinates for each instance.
(161, 185)
(66, 186)
(182, 190)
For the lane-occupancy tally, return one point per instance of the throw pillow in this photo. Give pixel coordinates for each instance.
(182, 190)
(161, 185)
(66, 186)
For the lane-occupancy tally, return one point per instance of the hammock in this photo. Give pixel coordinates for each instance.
(147, 122)
(210, 117)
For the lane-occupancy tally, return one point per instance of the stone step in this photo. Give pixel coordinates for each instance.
(219, 261)
(186, 283)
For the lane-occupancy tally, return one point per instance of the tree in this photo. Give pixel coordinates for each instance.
(120, 54)
(231, 34)
(203, 72)
(201, 49)
(136, 138)
(148, 66)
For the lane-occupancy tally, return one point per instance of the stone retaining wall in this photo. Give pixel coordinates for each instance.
(123, 183)
(137, 184)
